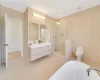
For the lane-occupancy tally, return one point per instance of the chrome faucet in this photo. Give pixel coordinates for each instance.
(89, 69)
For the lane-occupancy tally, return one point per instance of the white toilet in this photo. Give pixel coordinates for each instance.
(79, 53)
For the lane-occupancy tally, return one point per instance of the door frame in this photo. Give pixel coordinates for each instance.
(21, 31)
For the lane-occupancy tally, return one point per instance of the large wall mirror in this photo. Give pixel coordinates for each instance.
(38, 33)
(43, 33)
(33, 32)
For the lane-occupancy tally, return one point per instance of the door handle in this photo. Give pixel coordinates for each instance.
(6, 44)
(30, 44)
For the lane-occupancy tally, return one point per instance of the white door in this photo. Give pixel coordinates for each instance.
(5, 42)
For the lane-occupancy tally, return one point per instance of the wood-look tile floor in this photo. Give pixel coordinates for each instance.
(41, 69)
(14, 55)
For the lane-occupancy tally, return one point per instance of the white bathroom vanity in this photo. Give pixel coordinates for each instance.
(37, 51)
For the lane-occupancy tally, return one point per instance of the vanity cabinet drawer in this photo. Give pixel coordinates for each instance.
(39, 52)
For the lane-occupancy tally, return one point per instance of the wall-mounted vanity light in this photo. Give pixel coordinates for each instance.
(57, 23)
(39, 16)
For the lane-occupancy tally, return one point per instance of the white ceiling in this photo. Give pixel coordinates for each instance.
(53, 8)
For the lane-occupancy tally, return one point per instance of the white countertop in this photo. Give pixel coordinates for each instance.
(39, 45)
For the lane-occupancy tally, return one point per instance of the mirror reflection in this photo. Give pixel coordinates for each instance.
(37, 33)
(43, 33)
